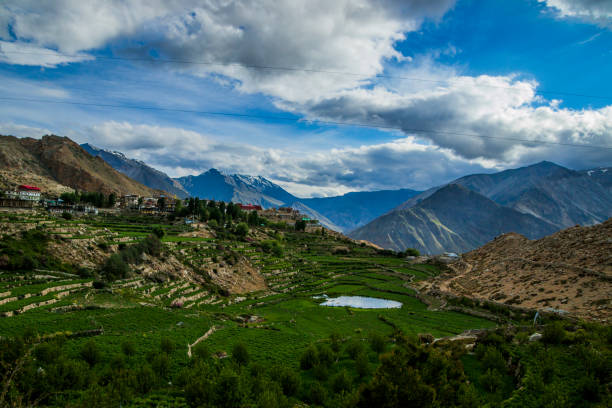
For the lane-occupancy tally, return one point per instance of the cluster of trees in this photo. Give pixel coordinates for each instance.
(117, 266)
(567, 368)
(28, 251)
(94, 198)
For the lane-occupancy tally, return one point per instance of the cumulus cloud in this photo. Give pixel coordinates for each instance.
(596, 11)
(477, 117)
(320, 59)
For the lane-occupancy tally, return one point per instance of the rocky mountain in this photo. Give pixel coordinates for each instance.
(57, 164)
(545, 190)
(557, 196)
(238, 188)
(570, 271)
(341, 213)
(453, 218)
(138, 170)
(353, 210)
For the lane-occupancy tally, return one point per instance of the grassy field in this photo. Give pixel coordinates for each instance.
(277, 325)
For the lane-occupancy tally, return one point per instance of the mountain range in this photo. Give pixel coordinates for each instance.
(342, 213)
(138, 170)
(534, 201)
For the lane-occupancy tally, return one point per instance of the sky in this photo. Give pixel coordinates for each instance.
(320, 97)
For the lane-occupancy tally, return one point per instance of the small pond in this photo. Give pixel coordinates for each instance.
(360, 302)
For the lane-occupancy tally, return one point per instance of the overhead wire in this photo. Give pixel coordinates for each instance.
(299, 120)
(295, 69)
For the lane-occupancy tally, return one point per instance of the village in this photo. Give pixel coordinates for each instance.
(29, 198)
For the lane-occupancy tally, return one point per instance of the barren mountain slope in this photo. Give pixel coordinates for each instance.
(54, 163)
(570, 270)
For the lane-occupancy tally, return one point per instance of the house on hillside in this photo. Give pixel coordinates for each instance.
(250, 207)
(24, 196)
(30, 193)
(129, 201)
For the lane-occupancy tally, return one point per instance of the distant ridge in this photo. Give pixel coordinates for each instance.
(454, 219)
(238, 188)
(355, 209)
(557, 196)
(138, 170)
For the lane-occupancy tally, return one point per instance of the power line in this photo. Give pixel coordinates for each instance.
(296, 69)
(297, 120)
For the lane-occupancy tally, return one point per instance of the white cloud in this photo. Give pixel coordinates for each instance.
(25, 54)
(596, 11)
(179, 152)
(13, 129)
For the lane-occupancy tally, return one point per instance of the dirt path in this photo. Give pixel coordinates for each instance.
(204, 337)
(446, 285)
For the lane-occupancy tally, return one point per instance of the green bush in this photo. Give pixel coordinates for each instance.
(90, 353)
(240, 354)
(310, 358)
(377, 342)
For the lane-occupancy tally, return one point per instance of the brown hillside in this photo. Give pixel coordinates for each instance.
(57, 164)
(570, 270)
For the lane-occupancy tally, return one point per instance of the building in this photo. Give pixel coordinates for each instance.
(29, 193)
(250, 207)
(129, 201)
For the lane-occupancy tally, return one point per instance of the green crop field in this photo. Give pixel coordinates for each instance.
(138, 328)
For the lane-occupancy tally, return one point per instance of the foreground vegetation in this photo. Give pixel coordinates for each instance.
(106, 336)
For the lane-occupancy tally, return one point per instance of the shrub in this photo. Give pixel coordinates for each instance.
(377, 342)
(166, 345)
(354, 348)
(128, 348)
(200, 351)
(288, 379)
(317, 394)
(90, 353)
(159, 232)
(161, 365)
(491, 380)
(240, 354)
(242, 230)
(341, 382)
(115, 268)
(554, 333)
(493, 359)
(326, 355)
(66, 215)
(310, 358)
(362, 365)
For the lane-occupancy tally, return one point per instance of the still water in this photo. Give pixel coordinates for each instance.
(361, 302)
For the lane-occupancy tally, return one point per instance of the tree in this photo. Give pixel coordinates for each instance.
(161, 203)
(377, 342)
(90, 353)
(240, 354)
(112, 199)
(166, 345)
(159, 232)
(362, 365)
(300, 225)
(253, 218)
(310, 358)
(242, 230)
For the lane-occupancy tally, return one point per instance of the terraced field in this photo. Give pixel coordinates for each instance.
(288, 317)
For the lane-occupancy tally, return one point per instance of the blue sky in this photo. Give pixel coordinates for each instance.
(470, 73)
